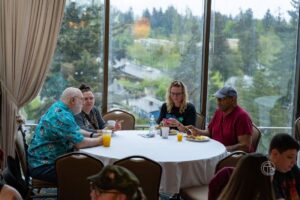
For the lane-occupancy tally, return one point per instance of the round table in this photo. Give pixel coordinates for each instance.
(184, 163)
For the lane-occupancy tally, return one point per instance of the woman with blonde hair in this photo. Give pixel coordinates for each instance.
(251, 179)
(177, 112)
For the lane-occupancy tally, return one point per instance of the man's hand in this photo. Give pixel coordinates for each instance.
(192, 130)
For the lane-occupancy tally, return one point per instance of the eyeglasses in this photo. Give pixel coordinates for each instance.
(176, 93)
(80, 98)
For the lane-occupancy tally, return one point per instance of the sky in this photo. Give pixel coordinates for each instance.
(259, 7)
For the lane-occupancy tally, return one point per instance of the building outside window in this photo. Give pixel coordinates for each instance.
(252, 47)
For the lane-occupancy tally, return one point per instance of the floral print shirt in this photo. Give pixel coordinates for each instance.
(55, 135)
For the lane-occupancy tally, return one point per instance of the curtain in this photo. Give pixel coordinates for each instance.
(28, 36)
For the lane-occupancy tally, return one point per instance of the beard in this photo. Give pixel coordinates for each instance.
(77, 109)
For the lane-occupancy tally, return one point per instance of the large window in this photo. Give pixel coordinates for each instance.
(252, 47)
(77, 57)
(150, 46)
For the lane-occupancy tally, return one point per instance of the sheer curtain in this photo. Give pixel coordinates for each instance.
(28, 35)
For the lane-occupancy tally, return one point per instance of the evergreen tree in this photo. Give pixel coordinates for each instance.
(248, 41)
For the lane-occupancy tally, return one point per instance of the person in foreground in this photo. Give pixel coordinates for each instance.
(90, 118)
(283, 152)
(115, 183)
(57, 133)
(231, 124)
(177, 112)
(251, 180)
(7, 192)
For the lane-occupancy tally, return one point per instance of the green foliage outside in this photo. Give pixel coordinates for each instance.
(262, 49)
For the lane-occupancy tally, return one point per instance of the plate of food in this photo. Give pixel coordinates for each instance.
(200, 138)
(173, 132)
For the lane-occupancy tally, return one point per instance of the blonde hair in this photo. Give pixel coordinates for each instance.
(170, 103)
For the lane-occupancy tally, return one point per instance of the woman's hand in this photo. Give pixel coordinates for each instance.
(171, 122)
(118, 125)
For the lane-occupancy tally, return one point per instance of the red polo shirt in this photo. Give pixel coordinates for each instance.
(227, 128)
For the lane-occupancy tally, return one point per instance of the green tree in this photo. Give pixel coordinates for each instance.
(189, 69)
(248, 41)
(222, 58)
(268, 21)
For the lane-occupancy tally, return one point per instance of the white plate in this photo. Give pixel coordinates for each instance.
(195, 140)
(173, 132)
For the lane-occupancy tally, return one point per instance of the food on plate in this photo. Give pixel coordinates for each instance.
(158, 126)
(173, 132)
(199, 137)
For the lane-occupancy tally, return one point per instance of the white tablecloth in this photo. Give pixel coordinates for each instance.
(184, 163)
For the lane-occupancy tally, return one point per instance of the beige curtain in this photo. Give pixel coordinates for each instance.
(28, 35)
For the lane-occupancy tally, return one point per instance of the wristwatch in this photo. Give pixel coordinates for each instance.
(92, 134)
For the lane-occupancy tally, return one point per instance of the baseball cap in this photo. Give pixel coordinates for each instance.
(226, 91)
(118, 178)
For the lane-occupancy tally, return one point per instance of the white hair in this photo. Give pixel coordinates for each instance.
(69, 93)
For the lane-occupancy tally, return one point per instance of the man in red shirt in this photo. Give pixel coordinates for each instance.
(231, 125)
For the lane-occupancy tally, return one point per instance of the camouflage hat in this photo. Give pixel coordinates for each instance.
(118, 178)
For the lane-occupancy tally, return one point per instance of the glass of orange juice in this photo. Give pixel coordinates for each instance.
(106, 137)
(179, 136)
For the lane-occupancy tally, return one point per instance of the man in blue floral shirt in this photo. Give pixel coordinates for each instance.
(57, 133)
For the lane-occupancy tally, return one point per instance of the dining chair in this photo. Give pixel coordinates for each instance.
(128, 118)
(256, 135)
(230, 160)
(72, 170)
(200, 121)
(297, 129)
(147, 171)
(33, 184)
(201, 192)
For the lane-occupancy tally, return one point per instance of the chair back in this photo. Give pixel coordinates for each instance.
(147, 171)
(32, 183)
(256, 135)
(230, 161)
(200, 121)
(72, 170)
(128, 118)
(21, 152)
(297, 129)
